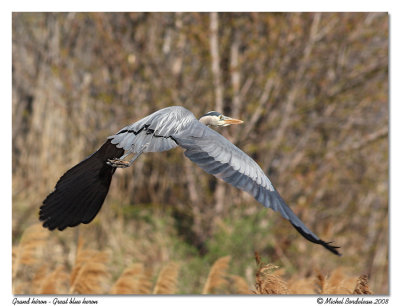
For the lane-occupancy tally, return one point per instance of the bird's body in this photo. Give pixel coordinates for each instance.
(80, 192)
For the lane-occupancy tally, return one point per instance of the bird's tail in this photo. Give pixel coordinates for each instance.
(80, 192)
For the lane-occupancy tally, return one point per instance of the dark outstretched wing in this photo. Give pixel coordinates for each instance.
(218, 156)
(80, 192)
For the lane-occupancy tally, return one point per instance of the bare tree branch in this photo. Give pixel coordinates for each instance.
(215, 66)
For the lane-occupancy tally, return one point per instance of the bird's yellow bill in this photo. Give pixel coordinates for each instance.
(233, 121)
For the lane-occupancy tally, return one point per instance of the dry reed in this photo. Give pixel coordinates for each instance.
(320, 281)
(89, 272)
(25, 253)
(54, 283)
(217, 275)
(362, 285)
(240, 285)
(134, 280)
(38, 277)
(298, 285)
(167, 280)
(268, 280)
(339, 283)
(89, 275)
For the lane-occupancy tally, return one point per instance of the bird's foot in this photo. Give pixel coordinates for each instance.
(118, 163)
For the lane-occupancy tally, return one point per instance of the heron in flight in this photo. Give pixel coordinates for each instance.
(80, 192)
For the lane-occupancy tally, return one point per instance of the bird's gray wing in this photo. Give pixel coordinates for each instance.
(154, 132)
(219, 157)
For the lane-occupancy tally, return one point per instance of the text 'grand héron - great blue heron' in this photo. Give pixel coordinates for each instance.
(80, 192)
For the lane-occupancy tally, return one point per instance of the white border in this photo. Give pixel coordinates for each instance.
(204, 5)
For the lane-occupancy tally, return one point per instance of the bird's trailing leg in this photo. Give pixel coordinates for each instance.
(120, 163)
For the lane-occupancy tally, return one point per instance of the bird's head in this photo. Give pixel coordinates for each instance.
(214, 118)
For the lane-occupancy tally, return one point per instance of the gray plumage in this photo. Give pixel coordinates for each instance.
(175, 125)
(164, 130)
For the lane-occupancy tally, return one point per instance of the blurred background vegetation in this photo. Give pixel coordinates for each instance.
(312, 89)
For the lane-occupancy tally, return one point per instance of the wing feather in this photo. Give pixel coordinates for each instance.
(154, 131)
(218, 156)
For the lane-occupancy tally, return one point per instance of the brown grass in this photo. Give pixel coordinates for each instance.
(167, 280)
(298, 285)
(54, 283)
(89, 274)
(320, 281)
(133, 280)
(217, 275)
(26, 252)
(269, 281)
(362, 285)
(39, 277)
(240, 286)
(339, 283)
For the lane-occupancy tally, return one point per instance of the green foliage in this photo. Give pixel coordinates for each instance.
(240, 238)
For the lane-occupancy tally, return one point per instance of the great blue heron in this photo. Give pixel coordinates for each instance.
(80, 192)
